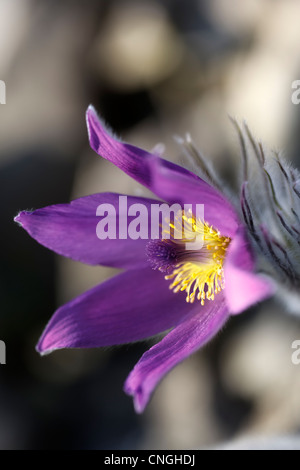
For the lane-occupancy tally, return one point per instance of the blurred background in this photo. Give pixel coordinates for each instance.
(153, 69)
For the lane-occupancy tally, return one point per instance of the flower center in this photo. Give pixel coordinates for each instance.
(198, 272)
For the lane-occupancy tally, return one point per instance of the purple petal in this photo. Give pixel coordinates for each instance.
(243, 287)
(70, 230)
(165, 179)
(174, 186)
(130, 159)
(192, 333)
(129, 307)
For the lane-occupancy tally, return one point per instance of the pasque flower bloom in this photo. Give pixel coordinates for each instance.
(192, 293)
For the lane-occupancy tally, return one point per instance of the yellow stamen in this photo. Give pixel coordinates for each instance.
(202, 276)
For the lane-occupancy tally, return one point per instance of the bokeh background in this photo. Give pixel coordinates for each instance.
(153, 69)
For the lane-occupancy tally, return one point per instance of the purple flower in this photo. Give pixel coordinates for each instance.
(192, 293)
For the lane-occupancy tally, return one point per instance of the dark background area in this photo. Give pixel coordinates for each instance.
(152, 69)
